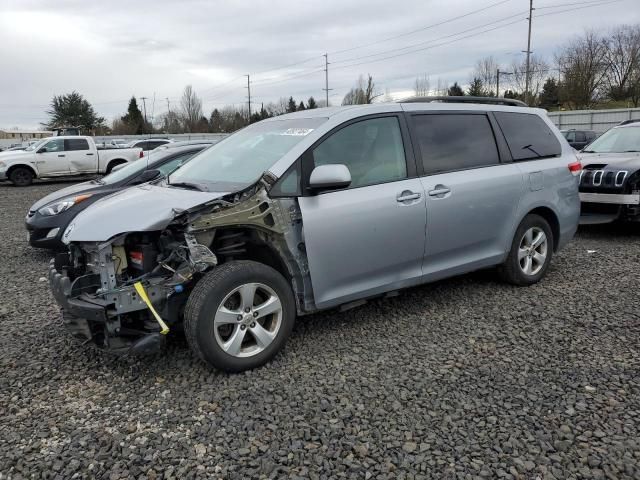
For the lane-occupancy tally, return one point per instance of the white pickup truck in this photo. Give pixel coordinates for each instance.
(62, 157)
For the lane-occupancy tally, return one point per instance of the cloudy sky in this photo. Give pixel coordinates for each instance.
(111, 50)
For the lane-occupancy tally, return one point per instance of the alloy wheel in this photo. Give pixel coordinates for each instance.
(248, 319)
(532, 252)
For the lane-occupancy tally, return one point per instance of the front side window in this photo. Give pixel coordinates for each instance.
(56, 145)
(239, 160)
(528, 136)
(617, 140)
(372, 150)
(455, 142)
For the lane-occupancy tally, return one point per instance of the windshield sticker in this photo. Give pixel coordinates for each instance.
(297, 132)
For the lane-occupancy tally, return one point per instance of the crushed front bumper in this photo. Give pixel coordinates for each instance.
(93, 319)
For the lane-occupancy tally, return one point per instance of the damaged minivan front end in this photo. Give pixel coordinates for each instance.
(125, 294)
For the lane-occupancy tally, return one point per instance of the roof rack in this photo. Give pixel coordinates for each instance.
(466, 99)
(631, 120)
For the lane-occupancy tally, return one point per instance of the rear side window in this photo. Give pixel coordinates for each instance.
(528, 136)
(455, 142)
(76, 144)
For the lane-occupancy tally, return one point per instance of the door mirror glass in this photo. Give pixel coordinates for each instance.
(330, 177)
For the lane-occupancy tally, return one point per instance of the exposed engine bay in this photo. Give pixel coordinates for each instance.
(124, 293)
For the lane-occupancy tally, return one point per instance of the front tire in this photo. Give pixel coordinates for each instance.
(21, 176)
(239, 315)
(530, 254)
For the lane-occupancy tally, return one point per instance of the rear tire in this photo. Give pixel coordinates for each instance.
(113, 165)
(239, 315)
(21, 176)
(530, 254)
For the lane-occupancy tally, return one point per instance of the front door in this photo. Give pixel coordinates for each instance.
(368, 238)
(472, 197)
(51, 159)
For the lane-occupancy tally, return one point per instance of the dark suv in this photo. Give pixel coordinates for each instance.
(579, 139)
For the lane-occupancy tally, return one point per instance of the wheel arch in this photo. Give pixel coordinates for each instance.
(266, 248)
(552, 219)
(22, 165)
(114, 162)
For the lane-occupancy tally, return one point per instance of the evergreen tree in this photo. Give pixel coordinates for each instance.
(72, 110)
(476, 88)
(301, 106)
(215, 121)
(311, 103)
(291, 106)
(549, 97)
(133, 119)
(455, 90)
(203, 125)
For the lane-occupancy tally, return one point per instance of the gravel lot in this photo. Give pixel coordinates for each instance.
(458, 379)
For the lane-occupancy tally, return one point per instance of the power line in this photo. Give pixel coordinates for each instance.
(427, 42)
(423, 28)
(431, 46)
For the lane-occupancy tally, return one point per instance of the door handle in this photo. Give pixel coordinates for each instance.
(88, 153)
(407, 196)
(439, 191)
(61, 155)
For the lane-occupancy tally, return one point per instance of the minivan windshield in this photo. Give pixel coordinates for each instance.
(616, 140)
(240, 159)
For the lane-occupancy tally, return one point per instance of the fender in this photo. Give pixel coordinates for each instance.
(14, 165)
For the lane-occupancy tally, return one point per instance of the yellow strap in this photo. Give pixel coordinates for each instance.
(145, 298)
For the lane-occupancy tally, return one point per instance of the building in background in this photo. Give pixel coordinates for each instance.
(23, 135)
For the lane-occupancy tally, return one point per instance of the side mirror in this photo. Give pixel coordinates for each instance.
(42, 150)
(147, 176)
(329, 177)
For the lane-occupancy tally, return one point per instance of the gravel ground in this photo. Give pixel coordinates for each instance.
(458, 379)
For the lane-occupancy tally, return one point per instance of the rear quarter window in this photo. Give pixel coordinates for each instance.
(528, 136)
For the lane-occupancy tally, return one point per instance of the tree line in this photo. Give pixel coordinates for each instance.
(596, 68)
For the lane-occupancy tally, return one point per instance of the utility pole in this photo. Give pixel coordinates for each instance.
(326, 77)
(168, 119)
(498, 73)
(144, 105)
(527, 73)
(249, 96)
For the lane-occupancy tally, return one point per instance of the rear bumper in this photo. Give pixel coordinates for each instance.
(610, 198)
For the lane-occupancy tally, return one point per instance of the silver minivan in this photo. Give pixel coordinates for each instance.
(314, 210)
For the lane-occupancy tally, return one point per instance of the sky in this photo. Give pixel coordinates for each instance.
(109, 51)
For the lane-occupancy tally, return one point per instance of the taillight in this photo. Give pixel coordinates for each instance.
(575, 168)
(141, 154)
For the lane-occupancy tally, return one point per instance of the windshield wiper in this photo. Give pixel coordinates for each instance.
(588, 151)
(189, 185)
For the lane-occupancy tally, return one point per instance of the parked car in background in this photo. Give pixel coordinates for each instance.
(578, 139)
(48, 217)
(148, 143)
(313, 210)
(610, 182)
(61, 157)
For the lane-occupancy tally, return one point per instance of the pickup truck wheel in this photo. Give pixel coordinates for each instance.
(21, 176)
(113, 165)
(531, 252)
(239, 315)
